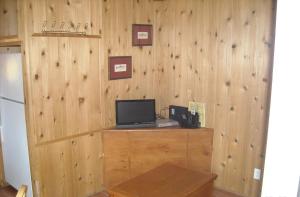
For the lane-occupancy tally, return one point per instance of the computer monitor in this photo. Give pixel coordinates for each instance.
(133, 112)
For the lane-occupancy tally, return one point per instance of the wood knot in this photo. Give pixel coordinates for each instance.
(233, 46)
(43, 53)
(4, 11)
(51, 8)
(228, 83)
(41, 135)
(265, 80)
(106, 90)
(81, 100)
(36, 76)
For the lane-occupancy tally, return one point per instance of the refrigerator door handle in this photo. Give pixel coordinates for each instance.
(11, 100)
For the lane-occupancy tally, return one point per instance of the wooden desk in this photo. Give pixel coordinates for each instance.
(166, 181)
(129, 153)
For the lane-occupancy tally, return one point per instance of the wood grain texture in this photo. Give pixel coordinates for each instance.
(117, 26)
(129, 153)
(9, 41)
(74, 166)
(219, 53)
(212, 51)
(8, 18)
(63, 104)
(162, 182)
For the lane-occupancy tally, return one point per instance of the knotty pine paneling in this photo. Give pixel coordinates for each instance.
(63, 98)
(8, 18)
(118, 17)
(71, 167)
(219, 53)
(212, 51)
(66, 85)
(68, 13)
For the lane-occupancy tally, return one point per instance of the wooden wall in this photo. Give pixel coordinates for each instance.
(219, 53)
(8, 18)
(212, 51)
(63, 86)
(118, 17)
(69, 96)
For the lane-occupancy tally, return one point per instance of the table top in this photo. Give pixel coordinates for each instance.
(165, 180)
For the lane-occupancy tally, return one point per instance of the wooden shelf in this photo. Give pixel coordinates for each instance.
(75, 35)
(9, 41)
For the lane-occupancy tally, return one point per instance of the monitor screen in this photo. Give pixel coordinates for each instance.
(135, 111)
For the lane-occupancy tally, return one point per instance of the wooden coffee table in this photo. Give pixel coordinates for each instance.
(167, 180)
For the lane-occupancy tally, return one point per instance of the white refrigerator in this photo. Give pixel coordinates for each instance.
(12, 122)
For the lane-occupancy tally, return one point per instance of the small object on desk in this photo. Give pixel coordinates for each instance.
(166, 123)
(167, 180)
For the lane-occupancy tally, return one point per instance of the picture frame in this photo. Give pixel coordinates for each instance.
(142, 35)
(119, 67)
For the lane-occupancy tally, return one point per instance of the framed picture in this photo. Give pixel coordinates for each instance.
(142, 35)
(119, 67)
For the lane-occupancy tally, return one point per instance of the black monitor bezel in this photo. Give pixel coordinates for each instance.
(134, 100)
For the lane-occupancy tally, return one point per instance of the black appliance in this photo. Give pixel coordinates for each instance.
(135, 113)
(185, 118)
